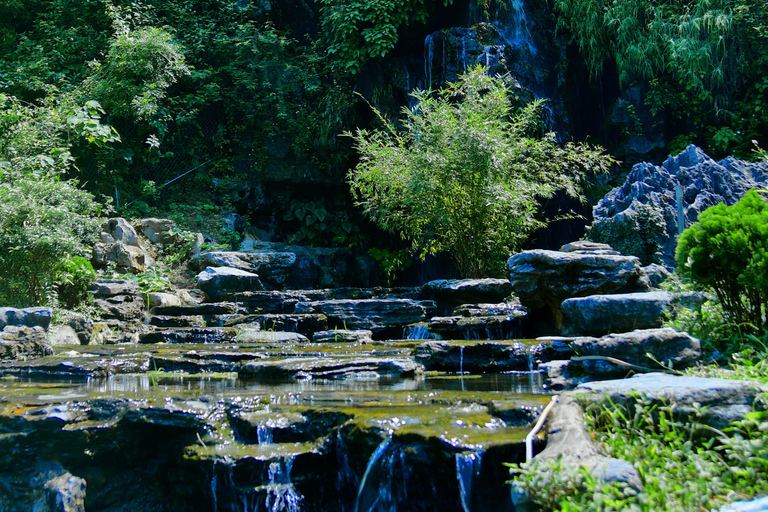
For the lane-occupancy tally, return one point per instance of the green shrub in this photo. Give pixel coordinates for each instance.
(727, 251)
(43, 221)
(467, 173)
(74, 276)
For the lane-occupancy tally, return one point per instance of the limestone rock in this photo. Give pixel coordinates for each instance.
(669, 347)
(29, 317)
(159, 299)
(305, 324)
(377, 315)
(724, 400)
(83, 326)
(705, 183)
(22, 342)
(569, 441)
(343, 336)
(62, 335)
(544, 279)
(218, 281)
(272, 267)
(157, 230)
(118, 299)
(120, 246)
(467, 291)
(597, 315)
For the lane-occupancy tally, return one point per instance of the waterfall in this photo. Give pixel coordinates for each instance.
(223, 486)
(263, 434)
(516, 33)
(467, 472)
(383, 486)
(281, 494)
(419, 331)
(429, 54)
(461, 366)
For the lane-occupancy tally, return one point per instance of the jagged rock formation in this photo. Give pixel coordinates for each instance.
(640, 217)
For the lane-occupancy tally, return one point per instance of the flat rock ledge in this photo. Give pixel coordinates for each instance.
(724, 400)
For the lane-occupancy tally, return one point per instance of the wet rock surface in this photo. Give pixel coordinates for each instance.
(544, 279)
(378, 315)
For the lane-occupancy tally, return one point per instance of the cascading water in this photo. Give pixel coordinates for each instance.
(263, 434)
(419, 332)
(383, 485)
(468, 466)
(281, 494)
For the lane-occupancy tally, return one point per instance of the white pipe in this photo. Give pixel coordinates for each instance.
(536, 428)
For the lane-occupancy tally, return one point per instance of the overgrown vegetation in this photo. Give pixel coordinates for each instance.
(46, 220)
(684, 464)
(704, 62)
(466, 173)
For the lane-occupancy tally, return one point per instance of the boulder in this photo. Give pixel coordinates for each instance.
(157, 231)
(83, 326)
(271, 266)
(62, 335)
(720, 401)
(377, 315)
(544, 279)
(667, 346)
(620, 219)
(159, 299)
(118, 299)
(120, 246)
(218, 281)
(597, 315)
(57, 490)
(23, 342)
(28, 317)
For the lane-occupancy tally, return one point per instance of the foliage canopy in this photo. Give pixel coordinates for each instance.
(466, 173)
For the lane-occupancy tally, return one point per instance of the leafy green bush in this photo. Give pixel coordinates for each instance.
(73, 278)
(466, 173)
(43, 220)
(727, 251)
(359, 30)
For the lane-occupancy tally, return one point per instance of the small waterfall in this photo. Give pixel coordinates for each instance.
(263, 434)
(467, 473)
(223, 485)
(516, 32)
(281, 494)
(419, 331)
(429, 55)
(382, 488)
(461, 366)
(347, 481)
